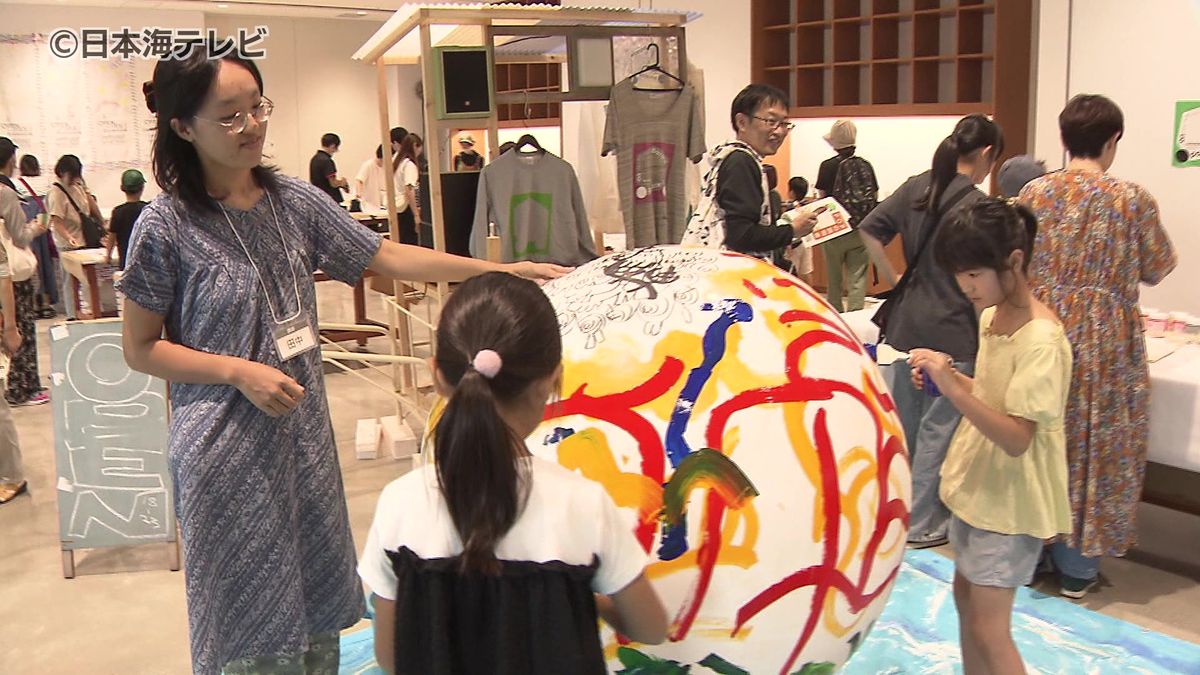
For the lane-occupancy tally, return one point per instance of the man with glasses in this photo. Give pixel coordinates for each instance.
(735, 210)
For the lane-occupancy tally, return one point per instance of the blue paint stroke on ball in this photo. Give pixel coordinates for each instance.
(732, 311)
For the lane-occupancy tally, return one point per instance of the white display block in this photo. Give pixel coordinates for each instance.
(366, 439)
(398, 437)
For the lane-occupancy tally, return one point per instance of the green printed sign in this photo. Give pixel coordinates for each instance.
(1185, 149)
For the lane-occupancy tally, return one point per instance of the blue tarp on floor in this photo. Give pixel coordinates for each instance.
(918, 633)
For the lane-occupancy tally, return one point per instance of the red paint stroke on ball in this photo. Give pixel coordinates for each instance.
(794, 315)
(837, 322)
(825, 576)
(784, 282)
(754, 289)
(618, 409)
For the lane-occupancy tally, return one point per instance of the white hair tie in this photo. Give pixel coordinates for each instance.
(487, 363)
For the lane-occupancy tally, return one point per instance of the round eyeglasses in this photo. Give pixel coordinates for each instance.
(783, 125)
(236, 123)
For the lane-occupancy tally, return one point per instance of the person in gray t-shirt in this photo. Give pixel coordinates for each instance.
(932, 312)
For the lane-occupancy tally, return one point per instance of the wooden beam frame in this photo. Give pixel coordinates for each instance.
(539, 17)
(567, 23)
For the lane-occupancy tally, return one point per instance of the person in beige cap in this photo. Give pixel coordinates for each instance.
(851, 180)
(467, 159)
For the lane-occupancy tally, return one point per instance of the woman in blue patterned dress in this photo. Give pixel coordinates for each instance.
(223, 260)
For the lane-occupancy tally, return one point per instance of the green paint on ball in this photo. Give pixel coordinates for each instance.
(640, 663)
(721, 666)
(822, 668)
(729, 481)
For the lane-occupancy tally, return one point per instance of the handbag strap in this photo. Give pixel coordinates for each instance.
(71, 199)
(946, 206)
(34, 193)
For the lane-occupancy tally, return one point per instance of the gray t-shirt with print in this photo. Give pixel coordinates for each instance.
(655, 134)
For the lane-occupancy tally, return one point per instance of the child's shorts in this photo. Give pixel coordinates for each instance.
(988, 558)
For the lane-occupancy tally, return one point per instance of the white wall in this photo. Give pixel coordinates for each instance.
(307, 72)
(406, 109)
(26, 19)
(1145, 60)
(719, 44)
(317, 89)
(1051, 59)
(898, 147)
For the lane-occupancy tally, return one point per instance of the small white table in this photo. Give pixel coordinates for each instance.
(1175, 409)
(1173, 476)
(1174, 398)
(860, 322)
(87, 266)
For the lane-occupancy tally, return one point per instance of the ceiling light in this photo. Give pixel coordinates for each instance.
(361, 13)
(221, 5)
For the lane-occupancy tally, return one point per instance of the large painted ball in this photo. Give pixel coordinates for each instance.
(752, 443)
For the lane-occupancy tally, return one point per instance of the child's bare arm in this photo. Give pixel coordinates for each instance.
(385, 634)
(1013, 434)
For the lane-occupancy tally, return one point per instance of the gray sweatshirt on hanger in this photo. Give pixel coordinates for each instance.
(535, 202)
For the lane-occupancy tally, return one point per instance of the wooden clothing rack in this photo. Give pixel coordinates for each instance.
(415, 33)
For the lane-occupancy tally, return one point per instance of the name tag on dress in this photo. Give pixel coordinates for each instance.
(294, 337)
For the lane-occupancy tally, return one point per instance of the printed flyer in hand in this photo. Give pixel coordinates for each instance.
(833, 221)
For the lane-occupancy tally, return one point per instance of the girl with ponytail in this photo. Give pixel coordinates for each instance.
(490, 560)
(1005, 474)
(930, 310)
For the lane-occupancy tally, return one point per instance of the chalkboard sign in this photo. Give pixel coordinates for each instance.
(110, 443)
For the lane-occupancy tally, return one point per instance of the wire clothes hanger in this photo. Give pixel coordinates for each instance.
(528, 140)
(655, 66)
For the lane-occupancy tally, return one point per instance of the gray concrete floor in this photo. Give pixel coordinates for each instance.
(125, 612)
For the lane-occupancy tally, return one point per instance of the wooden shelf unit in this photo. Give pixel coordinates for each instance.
(519, 78)
(893, 57)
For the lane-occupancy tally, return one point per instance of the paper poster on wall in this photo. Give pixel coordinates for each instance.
(115, 133)
(1186, 150)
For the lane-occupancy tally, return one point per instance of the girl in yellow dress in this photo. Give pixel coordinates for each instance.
(1005, 475)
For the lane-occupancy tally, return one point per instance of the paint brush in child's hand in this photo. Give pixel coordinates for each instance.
(885, 355)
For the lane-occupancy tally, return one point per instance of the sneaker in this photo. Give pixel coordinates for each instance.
(37, 399)
(1045, 565)
(929, 543)
(1075, 588)
(47, 313)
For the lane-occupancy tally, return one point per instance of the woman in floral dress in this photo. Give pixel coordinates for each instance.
(1098, 238)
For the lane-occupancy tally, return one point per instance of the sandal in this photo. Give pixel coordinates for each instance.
(9, 493)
